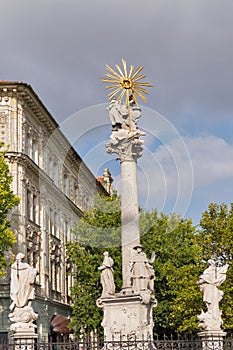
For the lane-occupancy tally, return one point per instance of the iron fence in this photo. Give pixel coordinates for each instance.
(156, 344)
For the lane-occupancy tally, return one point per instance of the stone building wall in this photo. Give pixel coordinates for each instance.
(55, 186)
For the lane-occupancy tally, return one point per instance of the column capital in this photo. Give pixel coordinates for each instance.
(126, 144)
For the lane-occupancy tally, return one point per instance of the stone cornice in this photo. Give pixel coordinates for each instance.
(25, 161)
(28, 95)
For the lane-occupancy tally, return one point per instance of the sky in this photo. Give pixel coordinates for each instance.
(186, 47)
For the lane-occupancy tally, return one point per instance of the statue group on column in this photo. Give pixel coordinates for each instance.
(142, 273)
(125, 137)
(123, 117)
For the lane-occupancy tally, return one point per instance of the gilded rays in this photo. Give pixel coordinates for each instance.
(125, 83)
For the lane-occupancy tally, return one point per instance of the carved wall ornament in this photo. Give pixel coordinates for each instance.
(4, 137)
(3, 118)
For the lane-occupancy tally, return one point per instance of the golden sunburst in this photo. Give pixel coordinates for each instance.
(126, 83)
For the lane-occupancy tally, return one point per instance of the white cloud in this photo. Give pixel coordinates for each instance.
(187, 50)
(168, 172)
(52, 46)
(212, 159)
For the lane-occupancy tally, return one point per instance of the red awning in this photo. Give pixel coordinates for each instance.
(59, 324)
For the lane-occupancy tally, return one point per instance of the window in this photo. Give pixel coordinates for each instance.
(76, 194)
(28, 204)
(65, 184)
(67, 231)
(49, 166)
(35, 151)
(3, 338)
(55, 223)
(28, 144)
(34, 208)
(50, 220)
(46, 220)
(55, 173)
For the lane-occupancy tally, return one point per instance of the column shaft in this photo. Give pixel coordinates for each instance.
(130, 216)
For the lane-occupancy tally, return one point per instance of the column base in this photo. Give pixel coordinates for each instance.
(212, 340)
(24, 338)
(128, 318)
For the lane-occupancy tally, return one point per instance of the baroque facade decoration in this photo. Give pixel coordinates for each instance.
(55, 186)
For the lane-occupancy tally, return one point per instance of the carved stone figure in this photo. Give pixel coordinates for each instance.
(142, 271)
(211, 278)
(115, 114)
(106, 277)
(126, 144)
(123, 117)
(22, 293)
(208, 323)
(135, 114)
(23, 318)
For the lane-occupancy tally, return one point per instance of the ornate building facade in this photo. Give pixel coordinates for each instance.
(54, 186)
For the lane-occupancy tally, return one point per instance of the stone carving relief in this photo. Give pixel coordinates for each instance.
(33, 236)
(123, 117)
(3, 128)
(133, 321)
(126, 144)
(124, 139)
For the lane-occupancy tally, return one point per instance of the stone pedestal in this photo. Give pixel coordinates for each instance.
(128, 317)
(24, 338)
(212, 340)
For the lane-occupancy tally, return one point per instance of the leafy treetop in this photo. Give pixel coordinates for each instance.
(8, 200)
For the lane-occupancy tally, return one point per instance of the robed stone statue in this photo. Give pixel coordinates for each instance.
(22, 293)
(106, 277)
(209, 282)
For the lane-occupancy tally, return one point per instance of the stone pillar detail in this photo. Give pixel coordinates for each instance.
(127, 145)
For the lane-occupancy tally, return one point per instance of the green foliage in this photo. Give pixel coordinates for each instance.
(8, 200)
(176, 270)
(182, 254)
(216, 241)
(96, 232)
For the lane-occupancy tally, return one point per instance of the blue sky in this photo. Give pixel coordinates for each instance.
(186, 47)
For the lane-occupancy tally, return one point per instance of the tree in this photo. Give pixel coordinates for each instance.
(8, 200)
(176, 269)
(97, 231)
(215, 239)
